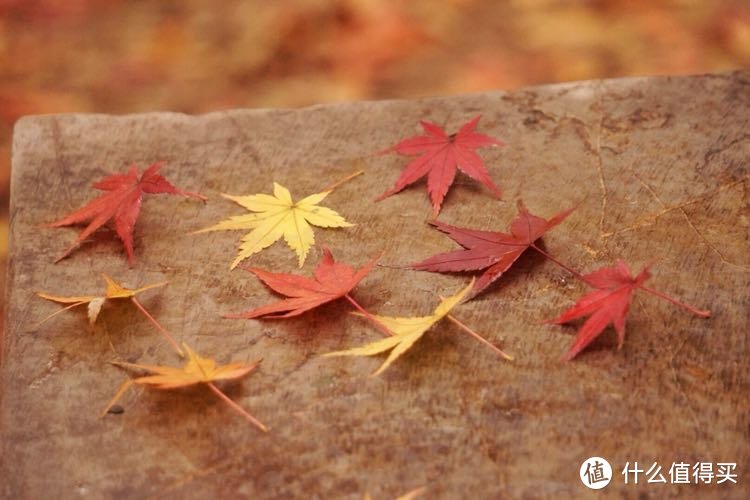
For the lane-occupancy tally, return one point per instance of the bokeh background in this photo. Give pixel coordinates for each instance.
(126, 56)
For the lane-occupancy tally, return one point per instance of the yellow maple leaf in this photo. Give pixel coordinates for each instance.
(278, 216)
(113, 291)
(409, 330)
(197, 370)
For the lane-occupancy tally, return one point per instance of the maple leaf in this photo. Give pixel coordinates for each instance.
(493, 252)
(113, 291)
(609, 304)
(197, 370)
(440, 155)
(409, 330)
(331, 281)
(277, 216)
(121, 203)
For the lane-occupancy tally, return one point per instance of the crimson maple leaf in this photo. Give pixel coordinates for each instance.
(331, 280)
(440, 155)
(493, 252)
(121, 203)
(609, 304)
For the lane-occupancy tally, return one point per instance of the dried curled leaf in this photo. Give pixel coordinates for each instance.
(113, 291)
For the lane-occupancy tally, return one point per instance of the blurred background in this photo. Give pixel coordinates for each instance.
(126, 56)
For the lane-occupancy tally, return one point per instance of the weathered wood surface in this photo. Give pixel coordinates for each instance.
(659, 166)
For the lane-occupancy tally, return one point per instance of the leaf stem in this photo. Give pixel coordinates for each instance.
(237, 407)
(163, 330)
(68, 251)
(480, 338)
(697, 312)
(197, 196)
(369, 316)
(559, 263)
(347, 178)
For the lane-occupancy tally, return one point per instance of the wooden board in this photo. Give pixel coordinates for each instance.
(659, 167)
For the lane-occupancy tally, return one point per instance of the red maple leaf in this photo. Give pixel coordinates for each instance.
(609, 304)
(440, 155)
(493, 252)
(331, 280)
(121, 203)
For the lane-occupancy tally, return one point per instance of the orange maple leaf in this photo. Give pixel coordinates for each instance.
(113, 291)
(197, 370)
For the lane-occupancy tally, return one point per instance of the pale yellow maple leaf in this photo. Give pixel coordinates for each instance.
(410, 329)
(113, 291)
(278, 216)
(197, 370)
